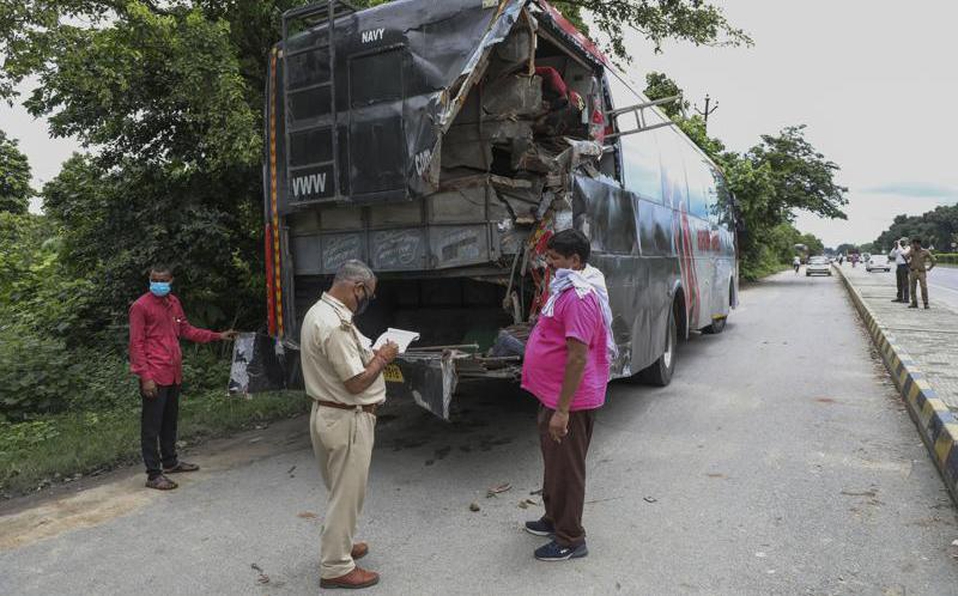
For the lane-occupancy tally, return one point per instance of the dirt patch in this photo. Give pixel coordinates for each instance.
(83, 510)
(34, 518)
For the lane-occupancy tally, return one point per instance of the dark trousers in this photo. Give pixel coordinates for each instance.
(901, 276)
(563, 482)
(158, 425)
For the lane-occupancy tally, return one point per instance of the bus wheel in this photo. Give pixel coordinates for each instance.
(717, 326)
(660, 373)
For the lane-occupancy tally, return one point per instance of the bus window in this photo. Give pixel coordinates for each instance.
(722, 209)
(674, 182)
(640, 153)
(700, 184)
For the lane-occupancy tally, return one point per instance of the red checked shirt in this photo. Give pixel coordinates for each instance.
(156, 326)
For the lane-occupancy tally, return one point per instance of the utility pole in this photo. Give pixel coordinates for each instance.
(707, 111)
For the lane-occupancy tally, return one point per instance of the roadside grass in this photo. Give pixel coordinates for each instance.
(59, 447)
(758, 273)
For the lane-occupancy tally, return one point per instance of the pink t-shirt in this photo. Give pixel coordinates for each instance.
(543, 367)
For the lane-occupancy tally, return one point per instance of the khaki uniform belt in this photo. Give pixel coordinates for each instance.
(369, 409)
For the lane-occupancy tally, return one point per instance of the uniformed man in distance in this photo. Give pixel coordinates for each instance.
(921, 261)
(344, 376)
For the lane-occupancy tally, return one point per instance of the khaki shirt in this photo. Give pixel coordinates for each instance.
(332, 351)
(917, 260)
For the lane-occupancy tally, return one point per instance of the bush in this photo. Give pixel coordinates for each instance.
(42, 376)
(37, 375)
(947, 258)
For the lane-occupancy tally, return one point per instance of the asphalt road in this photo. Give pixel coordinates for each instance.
(943, 286)
(779, 461)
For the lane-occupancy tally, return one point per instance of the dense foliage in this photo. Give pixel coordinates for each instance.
(937, 228)
(15, 191)
(780, 175)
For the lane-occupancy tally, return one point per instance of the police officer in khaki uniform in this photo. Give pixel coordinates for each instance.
(920, 262)
(344, 377)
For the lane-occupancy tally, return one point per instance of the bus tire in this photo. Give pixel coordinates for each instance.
(661, 371)
(717, 326)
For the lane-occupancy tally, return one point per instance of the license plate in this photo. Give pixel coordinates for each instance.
(392, 374)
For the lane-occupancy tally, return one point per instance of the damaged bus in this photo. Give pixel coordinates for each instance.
(444, 143)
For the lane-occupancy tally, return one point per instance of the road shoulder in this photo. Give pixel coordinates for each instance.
(927, 383)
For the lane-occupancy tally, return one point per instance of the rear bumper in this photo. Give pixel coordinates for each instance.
(428, 377)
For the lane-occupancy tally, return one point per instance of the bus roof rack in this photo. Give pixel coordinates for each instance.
(639, 111)
(318, 12)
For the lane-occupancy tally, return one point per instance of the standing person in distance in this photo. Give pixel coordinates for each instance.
(921, 261)
(900, 253)
(157, 324)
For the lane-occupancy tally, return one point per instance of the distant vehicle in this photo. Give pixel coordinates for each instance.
(877, 263)
(818, 266)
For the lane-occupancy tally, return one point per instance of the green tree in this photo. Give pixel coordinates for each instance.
(659, 86)
(155, 212)
(15, 191)
(937, 228)
(693, 21)
(802, 177)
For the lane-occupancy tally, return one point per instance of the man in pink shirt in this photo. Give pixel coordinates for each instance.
(566, 367)
(157, 323)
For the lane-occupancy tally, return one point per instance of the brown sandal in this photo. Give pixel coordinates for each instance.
(161, 483)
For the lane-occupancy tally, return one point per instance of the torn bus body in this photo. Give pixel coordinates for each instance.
(444, 144)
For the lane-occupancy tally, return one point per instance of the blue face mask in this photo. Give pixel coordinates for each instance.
(160, 288)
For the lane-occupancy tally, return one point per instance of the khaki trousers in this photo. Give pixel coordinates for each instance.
(919, 276)
(343, 444)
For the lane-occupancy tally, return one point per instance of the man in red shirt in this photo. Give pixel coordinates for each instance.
(157, 323)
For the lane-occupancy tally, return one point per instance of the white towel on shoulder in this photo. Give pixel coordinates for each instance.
(588, 280)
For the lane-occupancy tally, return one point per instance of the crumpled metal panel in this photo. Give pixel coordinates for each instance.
(262, 363)
(418, 62)
(430, 380)
(513, 96)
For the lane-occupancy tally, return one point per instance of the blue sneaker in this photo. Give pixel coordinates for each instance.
(540, 528)
(556, 552)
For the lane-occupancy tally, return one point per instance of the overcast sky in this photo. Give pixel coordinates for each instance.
(876, 82)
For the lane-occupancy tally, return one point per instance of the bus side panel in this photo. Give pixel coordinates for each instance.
(655, 225)
(705, 266)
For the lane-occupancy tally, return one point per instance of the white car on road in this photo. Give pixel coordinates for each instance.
(877, 263)
(818, 266)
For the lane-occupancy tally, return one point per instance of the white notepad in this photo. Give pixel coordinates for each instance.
(400, 337)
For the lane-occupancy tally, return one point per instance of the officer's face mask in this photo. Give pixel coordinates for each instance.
(362, 300)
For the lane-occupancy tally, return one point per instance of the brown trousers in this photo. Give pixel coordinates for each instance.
(919, 276)
(563, 482)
